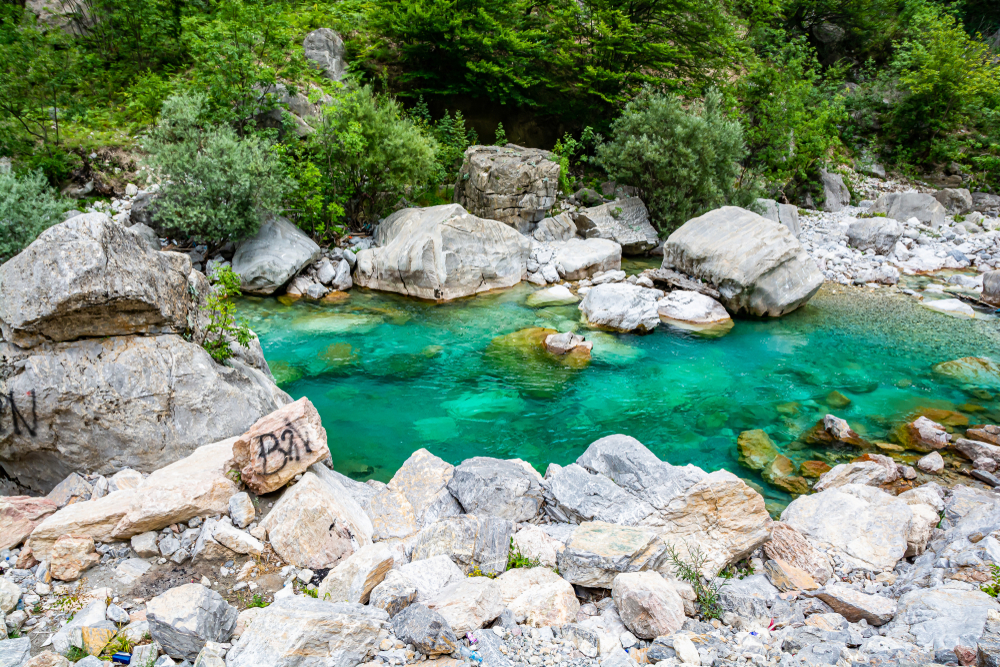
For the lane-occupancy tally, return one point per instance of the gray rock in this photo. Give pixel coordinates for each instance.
(878, 234)
(577, 496)
(145, 656)
(557, 228)
(757, 265)
(147, 234)
(988, 651)
(956, 201)
(441, 253)
(92, 277)
(984, 202)
(15, 652)
(299, 631)
(514, 185)
(826, 653)
(74, 488)
(510, 490)
(906, 205)
(942, 618)
(89, 616)
(241, 510)
(268, 260)
(471, 541)
(152, 410)
(621, 307)
(325, 49)
(786, 214)
(168, 545)
(624, 221)
(855, 605)
(182, 619)
(431, 575)
(394, 594)
(488, 647)
(116, 614)
(835, 193)
(342, 280)
(600, 551)
(749, 597)
(426, 629)
(991, 288)
(576, 259)
(423, 480)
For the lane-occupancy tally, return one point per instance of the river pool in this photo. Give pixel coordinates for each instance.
(390, 375)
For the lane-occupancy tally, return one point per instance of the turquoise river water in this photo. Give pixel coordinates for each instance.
(390, 375)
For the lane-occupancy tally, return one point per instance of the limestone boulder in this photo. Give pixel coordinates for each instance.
(158, 398)
(648, 604)
(557, 228)
(878, 234)
(471, 541)
(923, 435)
(431, 575)
(756, 449)
(325, 50)
(790, 546)
(10, 594)
(786, 577)
(786, 214)
(93, 518)
(269, 259)
(427, 630)
(514, 185)
(89, 616)
(576, 258)
(280, 446)
(236, 540)
(975, 450)
(621, 307)
(423, 480)
(864, 526)
(70, 556)
(442, 253)
(943, 618)
(312, 526)
(72, 489)
(576, 495)
(535, 544)
(694, 312)
(835, 193)
(197, 485)
(184, 618)
(92, 277)
(991, 288)
(510, 490)
(539, 596)
(355, 576)
(599, 551)
(299, 631)
(15, 652)
(756, 264)
(557, 295)
(855, 605)
(394, 594)
(931, 464)
(468, 604)
(19, 515)
(976, 371)
(906, 205)
(956, 201)
(874, 471)
(624, 221)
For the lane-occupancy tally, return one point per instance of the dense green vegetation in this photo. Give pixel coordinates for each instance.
(754, 96)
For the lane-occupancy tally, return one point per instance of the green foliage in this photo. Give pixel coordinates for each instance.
(790, 112)
(500, 137)
(516, 559)
(451, 134)
(993, 587)
(689, 570)
(28, 206)
(257, 601)
(476, 572)
(76, 654)
(369, 153)
(223, 327)
(683, 161)
(311, 592)
(218, 186)
(120, 644)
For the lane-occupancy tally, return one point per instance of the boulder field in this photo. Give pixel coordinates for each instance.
(602, 561)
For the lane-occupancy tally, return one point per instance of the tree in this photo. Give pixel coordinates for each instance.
(28, 206)
(683, 162)
(371, 153)
(217, 185)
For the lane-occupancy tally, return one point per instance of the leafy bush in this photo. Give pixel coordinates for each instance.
(28, 206)
(218, 185)
(683, 162)
(516, 559)
(370, 154)
(689, 570)
(451, 134)
(223, 327)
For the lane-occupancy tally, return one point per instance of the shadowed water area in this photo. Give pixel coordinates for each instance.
(390, 375)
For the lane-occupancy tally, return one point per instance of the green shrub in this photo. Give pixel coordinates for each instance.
(223, 326)
(683, 162)
(452, 137)
(217, 185)
(370, 154)
(689, 570)
(28, 206)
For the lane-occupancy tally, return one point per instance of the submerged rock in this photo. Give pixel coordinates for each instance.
(442, 253)
(757, 265)
(756, 449)
(923, 435)
(557, 295)
(976, 371)
(694, 312)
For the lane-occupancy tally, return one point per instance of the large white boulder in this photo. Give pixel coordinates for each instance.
(835, 193)
(273, 256)
(756, 264)
(497, 487)
(878, 234)
(621, 307)
(624, 221)
(786, 214)
(648, 604)
(576, 258)
(514, 185)
(906, 205)
(441, 253)
(423, 480)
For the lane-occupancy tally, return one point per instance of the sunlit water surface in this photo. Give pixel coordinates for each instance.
(390, 375)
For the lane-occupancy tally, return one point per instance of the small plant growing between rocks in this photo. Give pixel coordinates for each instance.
(223, 325)
(706, 593)
(516, 559)
(993, 588)
(257, 601)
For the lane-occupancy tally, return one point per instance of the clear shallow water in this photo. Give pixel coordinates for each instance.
(390, 375)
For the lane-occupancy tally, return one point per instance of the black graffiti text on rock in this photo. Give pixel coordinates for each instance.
(285, 445)
(17, 419)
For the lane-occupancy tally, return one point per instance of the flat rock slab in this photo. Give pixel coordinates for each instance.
(280, 446)
(600, 551)
(943, 618)
(855, 605)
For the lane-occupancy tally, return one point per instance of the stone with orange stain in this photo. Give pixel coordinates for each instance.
(786, 577)
(813, 469)
(71, 556)
(781, 473)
